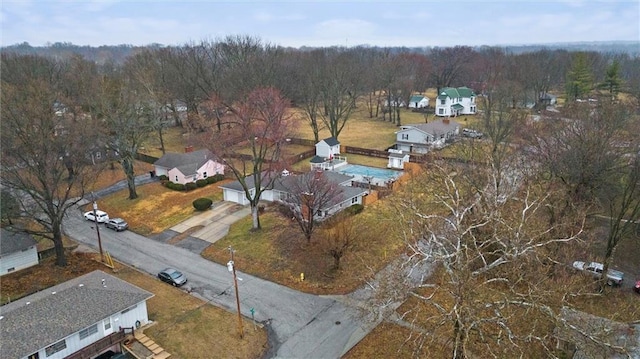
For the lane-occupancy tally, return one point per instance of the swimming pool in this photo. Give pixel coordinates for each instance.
(380, 176)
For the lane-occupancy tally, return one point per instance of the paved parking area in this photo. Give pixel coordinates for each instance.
(215, 222)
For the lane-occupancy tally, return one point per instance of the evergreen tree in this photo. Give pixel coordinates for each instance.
(579, 80)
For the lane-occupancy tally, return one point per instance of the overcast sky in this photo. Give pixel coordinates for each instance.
(319, 23)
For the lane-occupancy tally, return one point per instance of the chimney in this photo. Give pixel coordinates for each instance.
(317, 174)
(445, 121)
(188, 149)
(306, 211)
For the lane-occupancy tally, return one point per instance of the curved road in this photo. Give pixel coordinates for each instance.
(301, 325)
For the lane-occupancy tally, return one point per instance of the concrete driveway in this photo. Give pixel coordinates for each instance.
(215, 222)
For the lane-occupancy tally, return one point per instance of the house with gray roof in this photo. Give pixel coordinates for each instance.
(80, 318)
(282, 187)
(422, 137)
(453, 102)
(17, 251)
(189, 166)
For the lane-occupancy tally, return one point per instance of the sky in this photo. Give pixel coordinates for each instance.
(297, 23)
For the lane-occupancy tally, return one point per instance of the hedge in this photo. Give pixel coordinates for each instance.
(202, 204)
(190, 186)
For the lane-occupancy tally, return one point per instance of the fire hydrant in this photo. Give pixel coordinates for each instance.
(302, 277)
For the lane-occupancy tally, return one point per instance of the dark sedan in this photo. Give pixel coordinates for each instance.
(173, 277)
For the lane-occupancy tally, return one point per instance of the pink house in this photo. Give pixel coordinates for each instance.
(189, 166)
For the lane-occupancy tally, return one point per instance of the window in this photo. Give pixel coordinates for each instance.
(405, 136)
(11, 269)
(204, 175)
(354, 200)
(107, 324)
(176, 179)
(443, 101)
(441, 111)
(87, 332)
(54, 348)
(35, 355)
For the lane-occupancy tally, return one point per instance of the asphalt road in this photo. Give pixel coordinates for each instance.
(300, 325)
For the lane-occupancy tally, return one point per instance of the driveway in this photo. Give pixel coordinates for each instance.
(300, 325)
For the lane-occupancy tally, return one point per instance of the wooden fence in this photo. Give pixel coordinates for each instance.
(145, 158)
(366, 152)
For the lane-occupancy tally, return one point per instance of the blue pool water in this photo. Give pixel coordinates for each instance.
(380, 175)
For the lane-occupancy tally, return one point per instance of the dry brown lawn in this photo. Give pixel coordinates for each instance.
(185, 326)
(188, 327)
(280, 253)
(157, 208)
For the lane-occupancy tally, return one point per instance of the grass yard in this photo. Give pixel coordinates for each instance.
(157, 208)
(185, 326)
(108, 176)
(280, 253)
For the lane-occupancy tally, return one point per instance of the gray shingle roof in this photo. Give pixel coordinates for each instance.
(331, 141)
(41, 319)
(11, 242)
(435, 127)
(188, 163)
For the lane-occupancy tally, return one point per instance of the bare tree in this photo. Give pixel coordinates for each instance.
(493, 257)
(309, 195)
(339, 89)
(43, 149)
(127, 119)
(339, 236)
(448, 64)
(251, 143)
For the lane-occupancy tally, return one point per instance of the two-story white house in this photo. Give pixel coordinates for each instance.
(422, 137)
(80, 318)
(455, 102)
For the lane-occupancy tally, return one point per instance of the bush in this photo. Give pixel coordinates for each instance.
(202, 204)
(163, 178)
(190, 186)
(178, 187)
(202, 182)
(211, 180)
(354, 209)
(169, 184)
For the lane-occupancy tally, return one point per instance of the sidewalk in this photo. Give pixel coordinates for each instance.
(215, 221)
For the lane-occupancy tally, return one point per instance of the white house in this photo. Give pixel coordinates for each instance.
(328, 155)
(80, 318)
(327, 148)
(422, 137)
(418, 101)
(188, 167)
(455, 102)
(397, 158)
(233, 192)
(17, 251)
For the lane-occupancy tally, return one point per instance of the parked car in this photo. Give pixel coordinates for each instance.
(173, 277)
(117, 224)
(467, 132)
(100, 216)
(595, 269)
(636, 287)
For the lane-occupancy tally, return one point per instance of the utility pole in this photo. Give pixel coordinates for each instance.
(232, 268)
(95, 219)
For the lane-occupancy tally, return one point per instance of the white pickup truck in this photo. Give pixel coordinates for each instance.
(595, 269)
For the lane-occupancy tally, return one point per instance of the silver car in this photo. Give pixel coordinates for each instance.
(117, 224)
